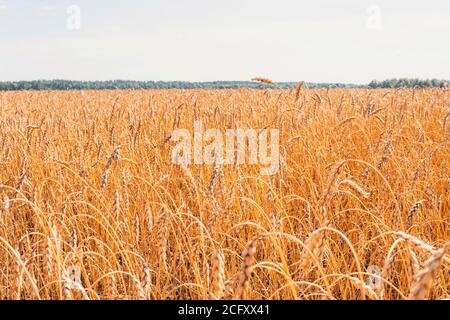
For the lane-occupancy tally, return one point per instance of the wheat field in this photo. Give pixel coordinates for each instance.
(91, 206)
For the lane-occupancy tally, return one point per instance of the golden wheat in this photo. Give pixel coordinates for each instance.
(86, 181)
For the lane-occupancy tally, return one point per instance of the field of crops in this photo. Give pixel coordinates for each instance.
(92, 207)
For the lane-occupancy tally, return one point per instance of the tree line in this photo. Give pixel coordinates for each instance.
(128, 85)
(410, 83)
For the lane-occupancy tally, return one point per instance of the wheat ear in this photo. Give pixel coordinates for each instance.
(246, 270)
(424, 279)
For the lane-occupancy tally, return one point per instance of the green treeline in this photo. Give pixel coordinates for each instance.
(125, 84)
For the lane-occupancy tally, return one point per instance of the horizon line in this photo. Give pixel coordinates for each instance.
(229, 81)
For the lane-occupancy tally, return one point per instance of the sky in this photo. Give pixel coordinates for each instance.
(352, 41)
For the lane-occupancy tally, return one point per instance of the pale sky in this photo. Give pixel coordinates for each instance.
(204, 40)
